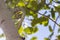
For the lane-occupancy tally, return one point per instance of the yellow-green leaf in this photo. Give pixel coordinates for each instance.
(51, 1)
(34, 38)
(20, 31)
(42, 20)
(21, 4)
(28, 30)
(46, 38)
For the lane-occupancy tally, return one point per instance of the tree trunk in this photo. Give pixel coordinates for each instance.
(7, 24)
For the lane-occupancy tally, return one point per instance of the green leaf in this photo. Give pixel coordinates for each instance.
(50, 29)
(35, 29)
(46, 39)
(33, 38)
(33, 5)
(29, 5)
(1, 35)
(42, 20)
(27, 12)
(53, 13)
(58, 37)
(57, 8)
(34, 22)
(27, 0)
(46, 23)
(50, 1)
(46, 7)
(30, 30)
(31, 13)
(42, 1)
(41, 5)
(58, 30)
(21, 4)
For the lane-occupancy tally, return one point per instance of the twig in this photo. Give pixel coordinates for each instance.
(54, 24)
(54, 27)
(50, 19)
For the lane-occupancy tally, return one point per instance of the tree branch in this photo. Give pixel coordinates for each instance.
(45, 16)
(22, 18)
(50, 19)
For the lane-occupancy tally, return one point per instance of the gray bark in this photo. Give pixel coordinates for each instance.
(7, 24)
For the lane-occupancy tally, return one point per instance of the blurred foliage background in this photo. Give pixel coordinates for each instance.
(31, 8)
